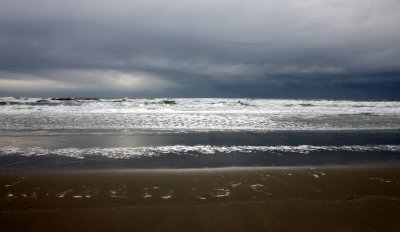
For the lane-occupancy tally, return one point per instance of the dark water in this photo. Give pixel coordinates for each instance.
(161, 149)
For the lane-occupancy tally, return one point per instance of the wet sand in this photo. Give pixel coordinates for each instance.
(341, 198)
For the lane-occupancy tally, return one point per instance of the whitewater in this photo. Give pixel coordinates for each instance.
(196, 114)
(196, 132)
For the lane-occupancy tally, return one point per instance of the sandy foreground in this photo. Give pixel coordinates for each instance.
(348, 198)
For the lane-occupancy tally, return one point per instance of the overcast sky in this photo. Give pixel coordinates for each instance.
(208, 48)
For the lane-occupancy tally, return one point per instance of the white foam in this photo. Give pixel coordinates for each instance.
(315, 175)
(234, 185)
(12, 184)
(199, 114)
(256, 187)
(113, 192)
(221, 192)
(154, 151)
(62, 194)
(146, 195)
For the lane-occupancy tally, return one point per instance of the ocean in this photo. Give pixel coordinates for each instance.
(79, 133)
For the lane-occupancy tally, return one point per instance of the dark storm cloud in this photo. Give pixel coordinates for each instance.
(208, 48)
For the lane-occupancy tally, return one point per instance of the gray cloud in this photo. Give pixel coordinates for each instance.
(208, 48)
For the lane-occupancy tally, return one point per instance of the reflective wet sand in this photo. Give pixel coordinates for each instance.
(335, 198)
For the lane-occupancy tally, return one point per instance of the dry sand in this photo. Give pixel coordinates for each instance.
(347, 198)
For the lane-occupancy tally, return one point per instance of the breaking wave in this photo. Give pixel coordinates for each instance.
(155, 151)
(196, 114)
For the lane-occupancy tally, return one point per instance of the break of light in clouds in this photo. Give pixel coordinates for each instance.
(311, 48)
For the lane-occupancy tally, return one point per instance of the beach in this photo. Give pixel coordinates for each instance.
(324, 198)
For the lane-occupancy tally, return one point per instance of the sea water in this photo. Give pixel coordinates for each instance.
(195, 132)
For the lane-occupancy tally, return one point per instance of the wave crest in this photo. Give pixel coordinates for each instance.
(154, 151)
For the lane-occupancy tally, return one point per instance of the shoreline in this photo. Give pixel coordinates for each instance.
(372, 165)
